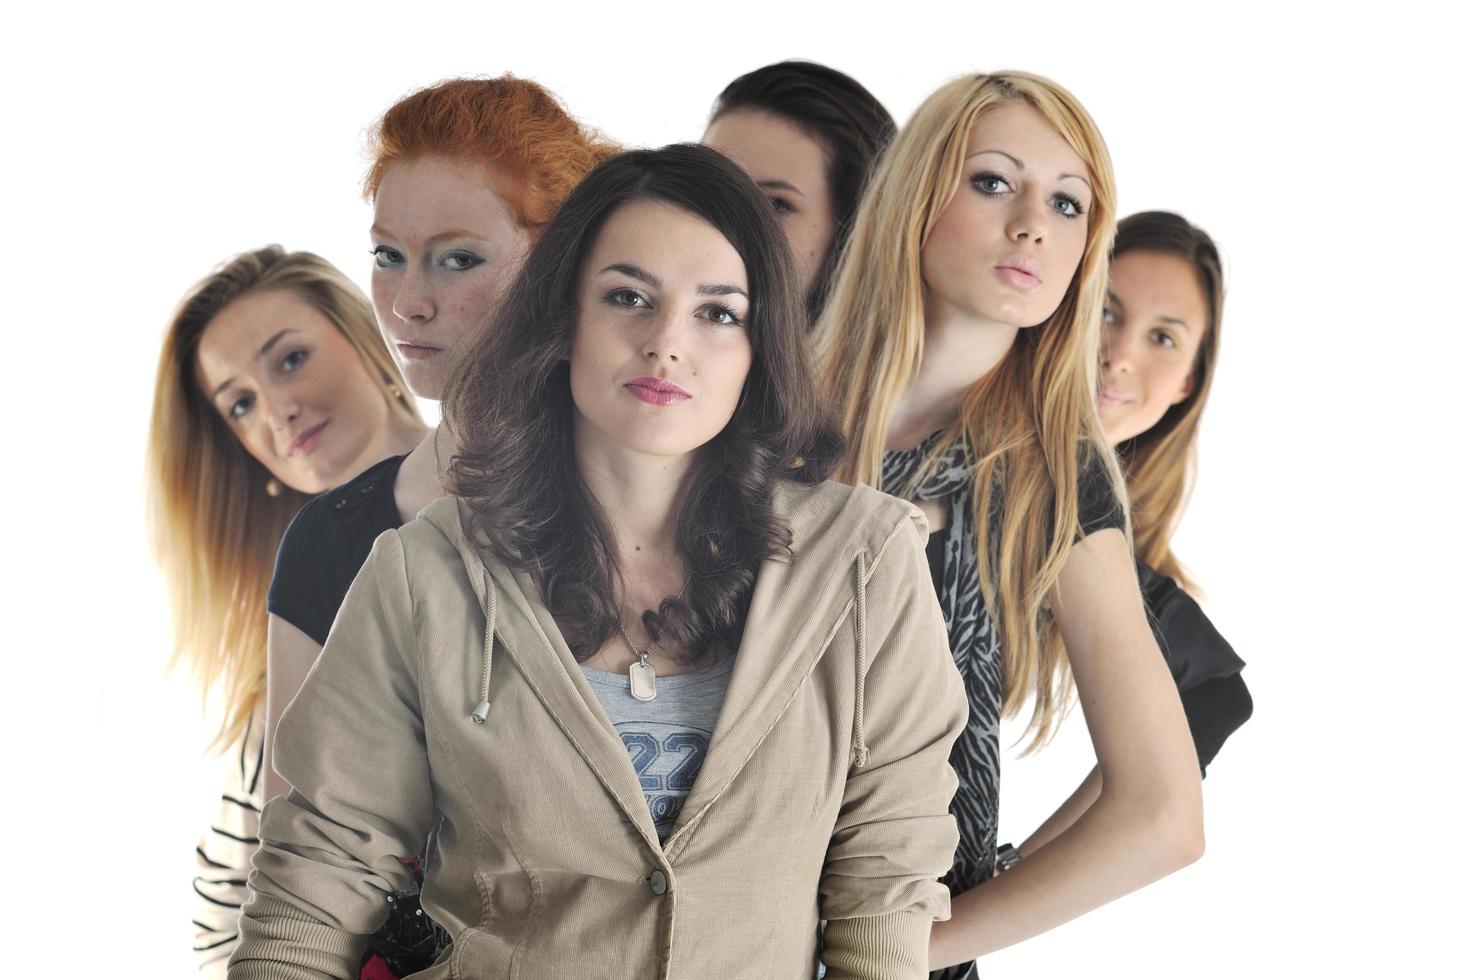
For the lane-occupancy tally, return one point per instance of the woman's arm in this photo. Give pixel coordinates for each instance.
(352, 747)
(1147, 821)
(288, 659)
(894, 836)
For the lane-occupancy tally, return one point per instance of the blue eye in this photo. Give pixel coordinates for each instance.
(1164, 339)
(1108, 316)
(721, 314)
(460, 261)
(991, 185)
(240, 407)
(1067, 206)
(386, 257)
(293, 360)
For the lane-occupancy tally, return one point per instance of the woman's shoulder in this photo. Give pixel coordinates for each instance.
(360, 509)
(831, 508)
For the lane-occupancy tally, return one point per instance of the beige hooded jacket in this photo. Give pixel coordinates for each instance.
(824, 794)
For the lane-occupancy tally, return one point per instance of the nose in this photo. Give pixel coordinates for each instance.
(280, 408)
(665, 338)
(1117, 349)
(1028, 217)
(414, 300)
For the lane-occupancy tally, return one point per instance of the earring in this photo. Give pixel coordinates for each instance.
(395, 392)
(272, 488)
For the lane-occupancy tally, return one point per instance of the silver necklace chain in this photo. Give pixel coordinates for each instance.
(642, 655)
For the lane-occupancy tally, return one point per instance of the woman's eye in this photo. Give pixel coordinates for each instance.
(1067, 206)
(723, 315)
(1164, 339)
(627, 298)
(386, 257)
(1109, 317)
(782, 206)
(293, 360)
(460, 261)
(240, 407)
(990, 184)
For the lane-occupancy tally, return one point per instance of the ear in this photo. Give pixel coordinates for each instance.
(1185, 390)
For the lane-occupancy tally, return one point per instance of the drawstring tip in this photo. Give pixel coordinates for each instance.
(481, 712)
(862, 756)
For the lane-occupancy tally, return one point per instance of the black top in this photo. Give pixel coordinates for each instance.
(1206, 670)
(326, 545)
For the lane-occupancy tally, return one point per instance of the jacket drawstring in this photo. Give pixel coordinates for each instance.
(482, 710)
(860, 747)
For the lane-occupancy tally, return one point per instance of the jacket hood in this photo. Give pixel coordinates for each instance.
(837, 538)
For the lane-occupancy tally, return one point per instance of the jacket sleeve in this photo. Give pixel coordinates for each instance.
(352, 747)
(894, 835)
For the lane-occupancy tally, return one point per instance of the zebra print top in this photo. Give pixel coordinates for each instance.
(975, 644)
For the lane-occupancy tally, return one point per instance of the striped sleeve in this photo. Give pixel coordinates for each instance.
(223, 854)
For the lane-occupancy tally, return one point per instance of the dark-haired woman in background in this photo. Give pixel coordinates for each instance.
(646, 658)
(1160, 343)
(809, 136)
(273, 385)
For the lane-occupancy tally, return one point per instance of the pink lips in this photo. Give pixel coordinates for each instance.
(657, 391)
(306, 441)
(1110, 396)
(1020, 271)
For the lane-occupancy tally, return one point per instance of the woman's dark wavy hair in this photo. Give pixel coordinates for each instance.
(846, 118)
(509, 405)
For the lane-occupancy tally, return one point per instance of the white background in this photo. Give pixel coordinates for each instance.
(142, 145)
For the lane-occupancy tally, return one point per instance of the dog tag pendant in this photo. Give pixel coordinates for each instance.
(641, 681)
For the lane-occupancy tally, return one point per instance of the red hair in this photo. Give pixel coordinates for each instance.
(537, 149)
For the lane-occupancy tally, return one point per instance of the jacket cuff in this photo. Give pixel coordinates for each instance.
(893, 946)
(280, 942)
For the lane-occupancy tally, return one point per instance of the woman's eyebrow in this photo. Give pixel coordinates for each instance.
(721, 289)
(779, 185)
(637, 272)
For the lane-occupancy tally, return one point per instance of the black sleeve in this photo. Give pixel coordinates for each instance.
(302, 588)
(1098, 507)
(1215, 709)
(1205, 667)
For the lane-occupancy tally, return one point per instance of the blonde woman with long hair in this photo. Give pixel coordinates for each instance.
(961, 343)
(272, 386)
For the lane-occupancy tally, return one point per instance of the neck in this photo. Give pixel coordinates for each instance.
(420, 477)
(639, 496)
(959, 349)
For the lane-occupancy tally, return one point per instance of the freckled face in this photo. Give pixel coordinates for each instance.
(660, 352)
(445, 247)
(293, 390)
(1007, 245)
(1153, 325)
(790, 165)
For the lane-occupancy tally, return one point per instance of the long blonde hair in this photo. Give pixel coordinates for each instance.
(1031, 420)
(214, 526)
(1160, 463)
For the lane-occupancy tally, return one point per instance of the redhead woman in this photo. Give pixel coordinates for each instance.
(272, 386)
(809, 136)
(664, 698)
(961, 340)
(465, 175)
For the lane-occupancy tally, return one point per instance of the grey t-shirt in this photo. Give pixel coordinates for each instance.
(666, 738)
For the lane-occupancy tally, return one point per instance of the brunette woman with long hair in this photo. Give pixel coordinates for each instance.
(273, 385)
(809, 136)
(664, 698)
(960, 341)
(1160, 344)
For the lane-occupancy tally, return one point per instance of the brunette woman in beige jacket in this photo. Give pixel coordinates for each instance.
(661, 700)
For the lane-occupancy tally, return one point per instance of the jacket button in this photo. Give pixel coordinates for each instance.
(341, 502)
(658, 883)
